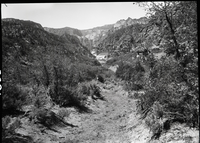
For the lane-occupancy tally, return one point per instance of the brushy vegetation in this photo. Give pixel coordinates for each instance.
(48, 62)
(132, 73)
(170, 91)
(8, 131)
(13, 99)
(76, 96)
(40, 70)
(170, 84)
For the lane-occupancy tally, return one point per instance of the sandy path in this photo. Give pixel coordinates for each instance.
(112, 121)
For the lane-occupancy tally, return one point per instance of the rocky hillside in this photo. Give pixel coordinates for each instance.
(92, 38)
(32, 55)
(129, 21)
(61, 31)
(131, 35)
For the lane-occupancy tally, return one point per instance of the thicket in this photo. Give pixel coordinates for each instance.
(170, 84)
(171, 92)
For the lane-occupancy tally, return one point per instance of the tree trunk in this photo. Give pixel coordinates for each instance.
(177, 54)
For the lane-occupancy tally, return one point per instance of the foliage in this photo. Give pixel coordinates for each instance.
(133, 73)
(13, 99)
(8, 131)
(75, 96)
(33, 57)
(172, 82)
(121, 41)
(170, 95)
(175, 26)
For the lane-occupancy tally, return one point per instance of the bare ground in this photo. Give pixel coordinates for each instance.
(112, 121)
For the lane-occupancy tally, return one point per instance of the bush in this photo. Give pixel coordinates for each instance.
(13, 99)
(89, 89)
(169, 95)
(72, 96)
(133, 74)
(62, 113)
(8, 131)
(40, 97)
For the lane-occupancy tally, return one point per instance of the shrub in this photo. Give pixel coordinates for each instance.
(70, 96)
(13, 99)
(89, 89)
(8, 131)
(133, 74)
(169, 95)
(40, 97)
(62, 113)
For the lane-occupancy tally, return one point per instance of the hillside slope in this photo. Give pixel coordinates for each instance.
(32, 56)
(94, 37)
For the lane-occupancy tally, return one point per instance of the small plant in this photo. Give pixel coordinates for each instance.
(41, 97)
(62, 113)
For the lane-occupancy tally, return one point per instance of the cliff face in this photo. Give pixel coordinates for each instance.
(129, 21)
(92, 38)
(96, 35)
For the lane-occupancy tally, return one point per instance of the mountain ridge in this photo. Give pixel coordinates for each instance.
(93, 36)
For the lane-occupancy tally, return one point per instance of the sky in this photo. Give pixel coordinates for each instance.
(75, 15)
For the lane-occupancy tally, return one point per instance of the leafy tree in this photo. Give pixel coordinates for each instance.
(177, 25)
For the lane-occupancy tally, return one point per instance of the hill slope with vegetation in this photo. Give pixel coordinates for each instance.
(33, 57)
(170, 84)
(47, 77)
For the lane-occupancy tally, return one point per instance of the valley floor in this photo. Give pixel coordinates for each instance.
(112, 121)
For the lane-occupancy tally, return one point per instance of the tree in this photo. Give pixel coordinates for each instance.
(177, 24)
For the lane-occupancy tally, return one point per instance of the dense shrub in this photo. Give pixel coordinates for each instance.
(13, 99)
(89, 89)
(74, 96)
(170, 95)
(132, 73)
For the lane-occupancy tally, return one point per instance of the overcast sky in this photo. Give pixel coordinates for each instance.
(75, 15)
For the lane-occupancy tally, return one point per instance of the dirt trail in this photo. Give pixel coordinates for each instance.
(111, 121)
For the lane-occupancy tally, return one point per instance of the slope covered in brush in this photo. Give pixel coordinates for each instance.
(32, 56)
